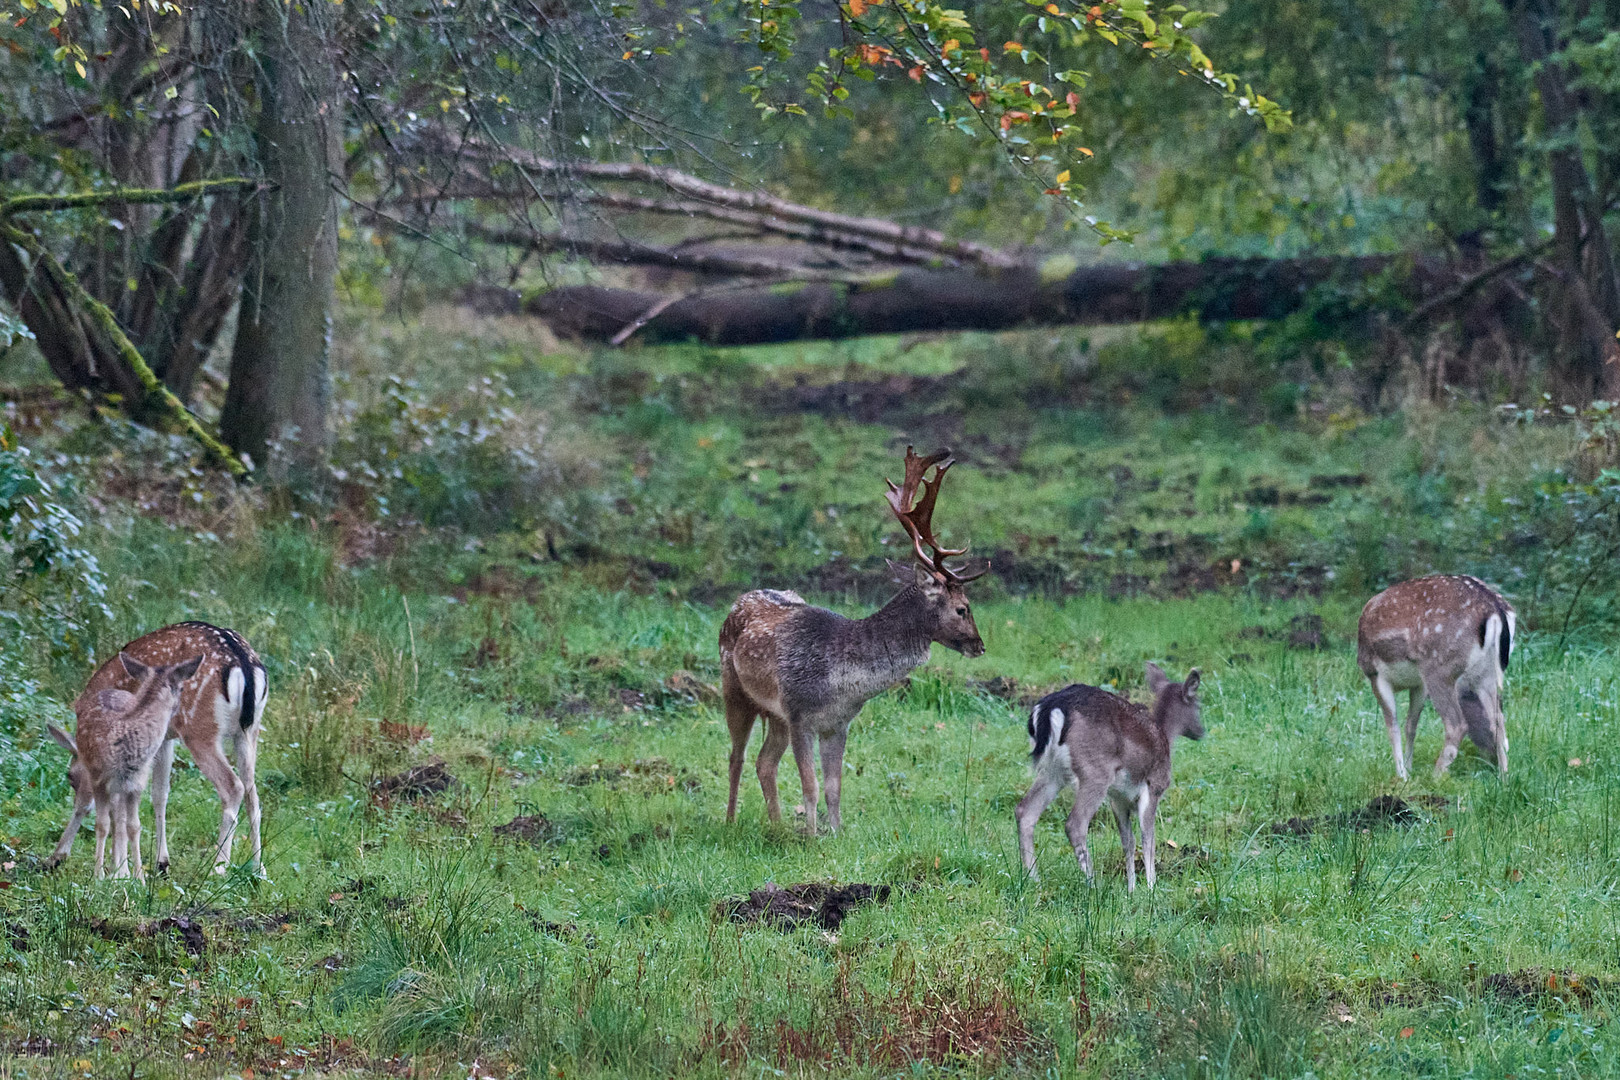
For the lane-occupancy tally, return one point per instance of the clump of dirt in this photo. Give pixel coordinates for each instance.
(416, 783)
(787, 907)
(647, 775)
(1305, 632)
(1381, 811)
(684, 684)
(532, 829)
(189, 931)
(17, 935)
(330, 964)
(1534, 984)
(32, 1046)
(1340, 480)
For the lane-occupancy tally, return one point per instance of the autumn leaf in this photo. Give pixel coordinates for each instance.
(1406, 1032)
(1012, 46)
(1011, 117)
(916, 73)
(1063, 177)
(857, 8)
(1084, 151)
(1073, 99)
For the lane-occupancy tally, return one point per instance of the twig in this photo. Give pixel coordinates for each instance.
(1469, 284)
(23, 204)
(646, 317)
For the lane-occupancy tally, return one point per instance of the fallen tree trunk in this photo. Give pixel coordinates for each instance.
(919, 300)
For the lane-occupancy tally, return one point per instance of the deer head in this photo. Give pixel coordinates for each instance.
(1175, 704)
(951, 618)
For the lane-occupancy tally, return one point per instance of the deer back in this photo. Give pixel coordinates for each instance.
(118, 732)
(1098, 732)
(229, 688)
(1441, 620)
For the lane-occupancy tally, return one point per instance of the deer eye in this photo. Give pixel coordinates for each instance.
(962, 611)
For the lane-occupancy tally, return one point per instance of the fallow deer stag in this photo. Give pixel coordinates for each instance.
(810, 670)
(221, 705)
(114, 747)
(1448, 638)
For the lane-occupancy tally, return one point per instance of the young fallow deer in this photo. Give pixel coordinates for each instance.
(1107, 747)
(117, 741)
(221, 706)
(1447, 638)
(810, 670)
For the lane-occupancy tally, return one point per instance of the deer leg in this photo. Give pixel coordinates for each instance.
(247, 763)
(1030, 809)
(1491, 699)
(212, 764)
(1088, 796)
(1147, 809)
(1414, 712)
(1122, 817)
(132, 830)
(832, 775)
(162, 771)
(82, 805)
(804, 757)
(103, 827)
(118, 805)
(770, 756)
(1443, 692)
(740, 716)
(1386, 701)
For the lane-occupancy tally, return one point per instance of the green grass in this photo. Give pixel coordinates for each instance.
(395, 931)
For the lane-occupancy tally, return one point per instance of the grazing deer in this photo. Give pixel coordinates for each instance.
(1108, 747)
(810, 670)
(117, 742)
(221, 706)
(1446, 638)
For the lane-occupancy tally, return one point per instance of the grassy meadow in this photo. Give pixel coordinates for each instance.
(517, 571)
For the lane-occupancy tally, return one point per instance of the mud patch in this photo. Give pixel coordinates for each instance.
(416, 783)
(17, 936)
(532, 829)
(791, 906)
(1382, 811)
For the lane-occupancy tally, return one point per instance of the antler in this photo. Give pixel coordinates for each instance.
(918, 519)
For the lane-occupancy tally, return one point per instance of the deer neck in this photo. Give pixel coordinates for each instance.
(890, 642)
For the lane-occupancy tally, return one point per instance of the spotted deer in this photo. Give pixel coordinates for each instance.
(809, 670)
(1107, 747)
(115, 747)
(1445, 638)
(221, 707)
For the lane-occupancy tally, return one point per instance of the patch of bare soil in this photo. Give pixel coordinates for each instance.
(791, 906)
(647, 775)
(1536, 984)
(1305, 632)
(416, 783)
(1381, 811)
(32, 1046)
(531, 829)
(866, 400)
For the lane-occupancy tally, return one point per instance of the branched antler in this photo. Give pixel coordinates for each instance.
(918, 518)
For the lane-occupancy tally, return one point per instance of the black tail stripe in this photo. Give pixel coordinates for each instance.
(1504, 644)
(250, 691)
(1040, 729)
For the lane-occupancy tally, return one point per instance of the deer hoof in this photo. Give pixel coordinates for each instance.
(163, 868)
(54, 861)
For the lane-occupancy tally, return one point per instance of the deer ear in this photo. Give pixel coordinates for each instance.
(1157, 680)
(133, 667)
(179, 673)
(1190, 687)
(926, 580)
(63, 739)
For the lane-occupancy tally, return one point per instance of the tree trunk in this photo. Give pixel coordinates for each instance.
(280, 384)
(1590, 291)
(918, 300)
